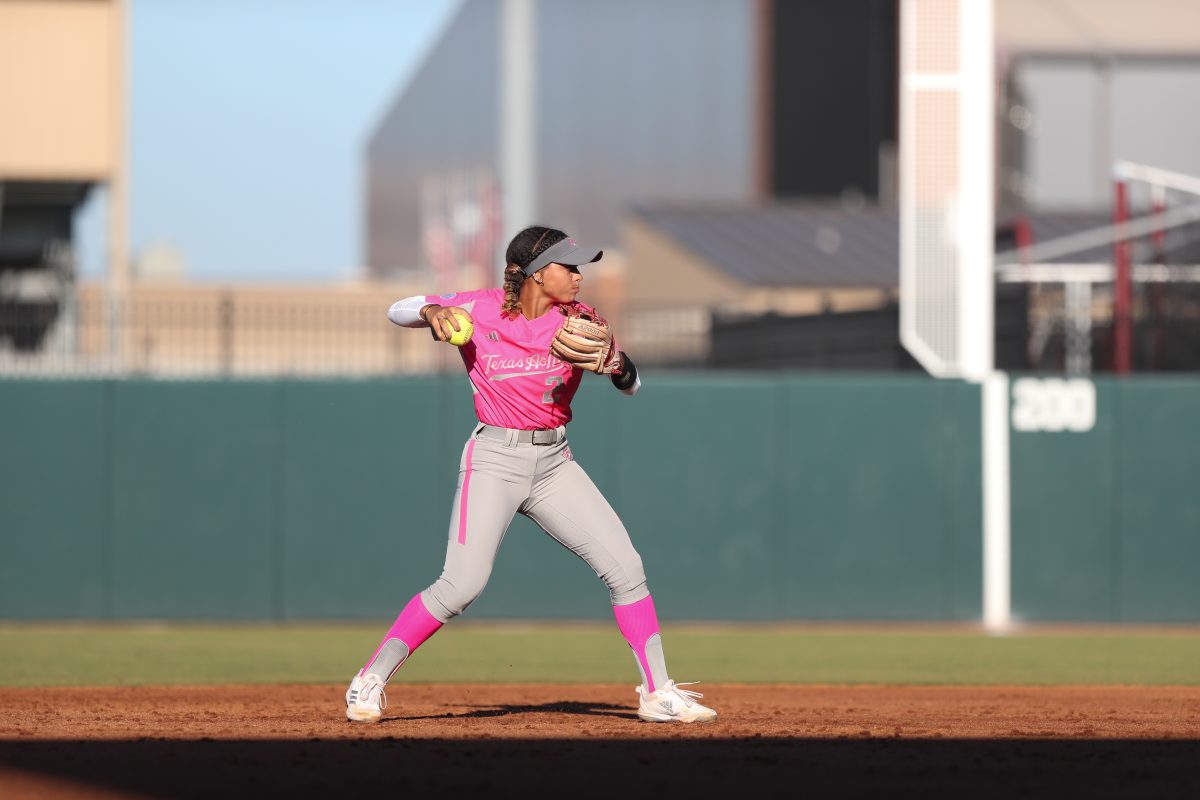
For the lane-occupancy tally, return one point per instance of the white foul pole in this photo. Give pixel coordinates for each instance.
(947, 236)
(976, 216)
(997, 543)
(977, 166)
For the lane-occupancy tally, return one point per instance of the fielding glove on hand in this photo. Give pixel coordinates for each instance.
(585, 341)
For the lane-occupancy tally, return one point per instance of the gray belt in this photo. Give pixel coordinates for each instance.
(543, 436)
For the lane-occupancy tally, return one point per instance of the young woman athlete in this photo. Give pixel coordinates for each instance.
(517, 461)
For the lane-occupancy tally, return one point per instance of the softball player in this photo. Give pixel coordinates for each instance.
(524, 369)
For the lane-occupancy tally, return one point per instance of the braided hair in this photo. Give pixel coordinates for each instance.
(522, 250)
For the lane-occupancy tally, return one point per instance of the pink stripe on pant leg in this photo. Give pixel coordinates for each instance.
(638, 622)
(414, 625)
(462, 500)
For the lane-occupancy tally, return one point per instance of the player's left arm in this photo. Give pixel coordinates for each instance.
(626, 378)
(586, 341)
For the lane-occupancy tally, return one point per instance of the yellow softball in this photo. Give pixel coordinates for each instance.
(463, 335)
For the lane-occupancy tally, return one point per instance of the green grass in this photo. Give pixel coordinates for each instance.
(66, 655)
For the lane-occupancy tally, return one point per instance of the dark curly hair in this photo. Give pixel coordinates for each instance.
(522, 250)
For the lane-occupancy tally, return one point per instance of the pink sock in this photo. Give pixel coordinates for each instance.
(414, 625)
(639, 625)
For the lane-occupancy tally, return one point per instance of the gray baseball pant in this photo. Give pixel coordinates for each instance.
(498, 477)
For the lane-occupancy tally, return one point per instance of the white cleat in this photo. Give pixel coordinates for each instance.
(365, 700)
(673, 704)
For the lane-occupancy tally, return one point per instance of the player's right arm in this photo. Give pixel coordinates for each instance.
(419, 312)
(407, 312)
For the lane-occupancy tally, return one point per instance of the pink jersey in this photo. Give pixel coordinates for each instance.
(517, 382)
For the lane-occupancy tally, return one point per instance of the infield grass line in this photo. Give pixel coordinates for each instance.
(498, 652)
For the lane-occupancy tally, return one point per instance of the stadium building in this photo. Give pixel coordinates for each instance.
(739, 158)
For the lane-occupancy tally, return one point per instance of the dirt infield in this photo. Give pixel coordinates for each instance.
(587, 742)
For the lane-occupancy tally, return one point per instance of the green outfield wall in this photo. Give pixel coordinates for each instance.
(1106, 522)
(749, 497)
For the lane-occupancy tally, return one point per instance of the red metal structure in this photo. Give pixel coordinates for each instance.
(1122, 288)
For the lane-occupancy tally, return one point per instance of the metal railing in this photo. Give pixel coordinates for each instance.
(226, 333)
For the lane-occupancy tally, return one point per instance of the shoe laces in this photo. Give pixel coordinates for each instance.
(369, 683)
(687, 695)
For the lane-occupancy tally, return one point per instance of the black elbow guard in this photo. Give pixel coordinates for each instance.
(628, 374)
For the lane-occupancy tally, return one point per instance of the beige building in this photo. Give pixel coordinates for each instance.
(62, 132)
(175, 328)
(186, 329)
(62, 89)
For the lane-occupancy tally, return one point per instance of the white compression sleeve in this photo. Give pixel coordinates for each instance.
(407, 312)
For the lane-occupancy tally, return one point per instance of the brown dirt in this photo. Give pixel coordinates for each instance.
(586, 741)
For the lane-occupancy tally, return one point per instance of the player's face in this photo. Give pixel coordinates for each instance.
(561, 283)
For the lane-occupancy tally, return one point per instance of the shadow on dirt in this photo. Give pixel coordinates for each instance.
(584, 709)
(624, 768)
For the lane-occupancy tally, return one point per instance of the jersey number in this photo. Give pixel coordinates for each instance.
(555, 382)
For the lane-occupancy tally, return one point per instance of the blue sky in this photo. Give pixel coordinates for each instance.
(248, 127)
